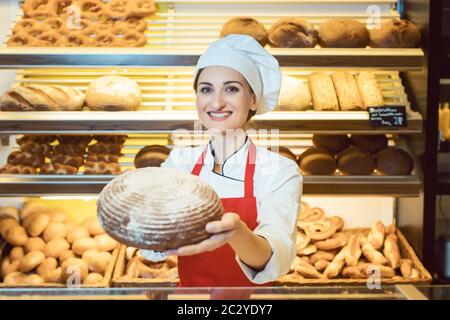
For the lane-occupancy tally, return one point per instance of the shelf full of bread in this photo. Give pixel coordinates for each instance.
(355, 164)
(162, 99)
(174, 33)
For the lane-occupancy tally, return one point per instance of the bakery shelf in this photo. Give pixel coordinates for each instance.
(181, 30)
(167, 121)
(47, 185)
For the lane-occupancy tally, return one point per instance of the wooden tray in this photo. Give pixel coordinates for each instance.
(119, 280)
(105, 283)
(406, 251)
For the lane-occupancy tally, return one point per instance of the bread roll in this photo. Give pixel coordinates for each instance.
(294, 95)
(396, 33)
(38, 223)
(245, 25)
(369, 89)
(6, 224)
(334, 143)
(31, 261)
(54, 247)
(97, 261)
(318, 164)
(343, 33)
(16, 235)
(74, 268)
(77, 232)
(323, 92)
(34, 244)
(158, 208)
(354, 161)
(105, 242)
(82, 245)
(9, 212)
(54, 230)
(394, 161)
(93, 279)
(313, 150)
(347, 91)
(113, 93)
(284, 151)
(151, 156)
(292, 33)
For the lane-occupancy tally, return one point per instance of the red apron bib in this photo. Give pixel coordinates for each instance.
(219, 268)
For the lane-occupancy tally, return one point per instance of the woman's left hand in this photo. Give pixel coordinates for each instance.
(223, 231)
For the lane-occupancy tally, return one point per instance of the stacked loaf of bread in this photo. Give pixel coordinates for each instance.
(82, 23)
(292, 32)
(46, 247)
(158, 208)
(357, 155)
(326, 251)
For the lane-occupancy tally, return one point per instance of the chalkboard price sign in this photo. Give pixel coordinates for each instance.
(387, 116)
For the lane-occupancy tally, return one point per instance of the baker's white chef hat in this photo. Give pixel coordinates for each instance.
(245, 55)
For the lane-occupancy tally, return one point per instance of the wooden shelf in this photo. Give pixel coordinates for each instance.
(42, 185)
(16, 58)
(168, 121)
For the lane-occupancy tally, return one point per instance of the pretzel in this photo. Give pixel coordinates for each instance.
(17, 169)
(55, 24)
(24, 25)
(36, 138)
(142, 8)
(37, 31)
(77, 39)
(91, 9)
(50, 39)
(311, 216)
(39, 8)
(133, 39)
(320, 230)
(118, 9)
(105, 25)
(109, 158)
(138, 24)
(337, 221)
(78, 140)
(102, 168)
(118, 139)
(75, 161)
(56, 168)
(21, 39)
(106, 39)
(36, 148)
(86, 27)
(105, 148)
(62, 6)
(25, 158)
(337, 240)
(70, 149)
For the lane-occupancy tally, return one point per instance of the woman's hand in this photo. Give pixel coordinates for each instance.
(223, 231)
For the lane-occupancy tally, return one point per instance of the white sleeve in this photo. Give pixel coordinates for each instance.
(277, 222)
(180, 158)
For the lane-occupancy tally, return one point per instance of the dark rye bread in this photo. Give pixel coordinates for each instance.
(151, 156)
(355, 161)
(284, 152)
(158, 208)
(370, 143)
(317, 161)
(394, 161)
(334, 143)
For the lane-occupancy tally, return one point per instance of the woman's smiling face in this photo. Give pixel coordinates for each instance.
(224, 98)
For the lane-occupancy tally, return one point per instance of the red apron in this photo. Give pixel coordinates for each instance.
(219, 268)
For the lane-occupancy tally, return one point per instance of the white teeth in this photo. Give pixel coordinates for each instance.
(219, 114)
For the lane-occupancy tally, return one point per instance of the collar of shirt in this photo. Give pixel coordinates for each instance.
(234, 165)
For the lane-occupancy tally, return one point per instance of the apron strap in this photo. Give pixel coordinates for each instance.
(249, 168)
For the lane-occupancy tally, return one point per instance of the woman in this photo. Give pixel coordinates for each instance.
(254, 242)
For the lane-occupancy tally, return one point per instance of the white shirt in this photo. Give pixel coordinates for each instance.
(277, 188)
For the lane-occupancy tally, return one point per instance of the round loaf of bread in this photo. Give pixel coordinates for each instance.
(312, 150)
(368, 142)
(292, 33)
(318, 163)
(245, 25)
(283, 151)
(151, 156)
(334, 143)
(294, 95)
(158, 208)
(395, 34)
(343, 33)
(393, 161)
(355, 161)
(113, 93)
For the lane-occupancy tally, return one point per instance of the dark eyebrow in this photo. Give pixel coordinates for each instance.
(228, 82)
(207, 83)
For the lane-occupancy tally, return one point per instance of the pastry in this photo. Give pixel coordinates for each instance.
(108, 158)
(17, 169)
(151, 156)
(42, 98)
(323, 92)
(117, 9)
(22, 39)
(396, 33)
(113, 93)
(24, 25)
(369, 143)
(337, 240)
(392, 251)
(354, 161)
(157, 208)
(26, 159)
(292, 33)
(294, 95)
(334, 143)
(39, 8)
(105, 148)
(347, 91)
(312, 215)
(102, 168)
(91, 9)
(343, 33)
(142, 8)
(369, 89)
(247, 26)
(57, 168)
(77, 39)
(393, 161)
